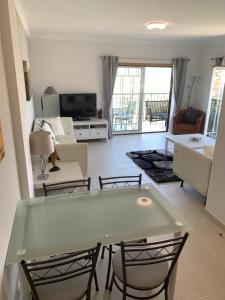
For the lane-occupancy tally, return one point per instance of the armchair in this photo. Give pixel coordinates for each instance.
(180, 126)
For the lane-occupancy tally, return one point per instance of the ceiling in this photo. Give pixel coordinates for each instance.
(188, 19)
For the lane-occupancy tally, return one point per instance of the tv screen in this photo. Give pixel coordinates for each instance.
(78, 106)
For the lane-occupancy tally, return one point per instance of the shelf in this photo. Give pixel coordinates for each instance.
(90, 130)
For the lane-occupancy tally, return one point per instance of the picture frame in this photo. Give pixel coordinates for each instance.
(27, 80)
(2, 149)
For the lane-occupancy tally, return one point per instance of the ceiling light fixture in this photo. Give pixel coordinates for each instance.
(156, 25)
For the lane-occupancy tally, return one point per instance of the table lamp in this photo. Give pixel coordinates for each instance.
(50, 90)
(41, 144)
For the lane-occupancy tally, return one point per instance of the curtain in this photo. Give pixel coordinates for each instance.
(219, 61)
(179, 77)
(110, 64)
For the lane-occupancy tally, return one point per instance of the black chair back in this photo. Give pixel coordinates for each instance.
(67, 187)
(154, 253)
(119, 181)
(61, 268)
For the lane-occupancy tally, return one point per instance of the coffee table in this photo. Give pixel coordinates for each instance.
(185, 139)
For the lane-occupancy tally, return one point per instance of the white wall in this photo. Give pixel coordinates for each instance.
(9, 181)
(17, 96)
(73, 66)
(24, 51)
(16, 115)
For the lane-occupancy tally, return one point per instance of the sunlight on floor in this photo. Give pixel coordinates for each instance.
(156, 126)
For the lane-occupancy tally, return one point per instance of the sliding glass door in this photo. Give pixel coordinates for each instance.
(215, 101)
(141, 99)
(156, 104)
(127, 97)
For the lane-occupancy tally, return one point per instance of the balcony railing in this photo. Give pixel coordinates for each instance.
(126, 109)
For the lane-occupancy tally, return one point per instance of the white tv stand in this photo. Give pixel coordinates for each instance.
(91, 130)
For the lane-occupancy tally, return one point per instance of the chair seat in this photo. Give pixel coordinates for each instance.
(141, 277)
(72, 289)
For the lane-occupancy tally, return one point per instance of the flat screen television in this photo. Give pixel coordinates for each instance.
(78, 106)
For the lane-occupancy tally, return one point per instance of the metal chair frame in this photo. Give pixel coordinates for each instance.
(164, 251)
(85, 261)
(61, 186)
(114, 181)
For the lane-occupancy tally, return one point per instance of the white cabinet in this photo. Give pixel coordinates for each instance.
(91, 129)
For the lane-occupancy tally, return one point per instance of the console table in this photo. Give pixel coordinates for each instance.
(91, 129)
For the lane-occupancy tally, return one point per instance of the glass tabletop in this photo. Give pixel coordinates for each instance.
(57, 224)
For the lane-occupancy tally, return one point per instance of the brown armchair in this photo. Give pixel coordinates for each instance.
(180, 126)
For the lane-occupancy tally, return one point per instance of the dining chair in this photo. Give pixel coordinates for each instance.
(67, 187)
(146, 267)
(119, 181)
(67, 276)
(114, 182)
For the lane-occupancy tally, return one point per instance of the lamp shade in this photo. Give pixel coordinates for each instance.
(41, 143)
(50, 90)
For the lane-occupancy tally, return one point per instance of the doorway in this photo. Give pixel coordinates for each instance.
(141, 99)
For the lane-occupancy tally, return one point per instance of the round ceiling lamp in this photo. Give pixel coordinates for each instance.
(156, 25)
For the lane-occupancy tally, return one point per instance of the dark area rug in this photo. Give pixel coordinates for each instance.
(156, 164)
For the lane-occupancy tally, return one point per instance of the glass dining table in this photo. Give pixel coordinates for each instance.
(52, 225)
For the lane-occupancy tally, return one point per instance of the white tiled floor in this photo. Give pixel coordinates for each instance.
(201, 272)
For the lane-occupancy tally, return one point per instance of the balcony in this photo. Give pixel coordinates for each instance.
(140, 113)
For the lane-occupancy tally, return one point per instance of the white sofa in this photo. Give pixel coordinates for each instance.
(66, 145)
(192, 166)
(67, 124)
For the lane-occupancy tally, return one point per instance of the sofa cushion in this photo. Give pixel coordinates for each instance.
(37, 124)
(190, 116)
(47, 127)
(56, 125)
(65, 139)
(67, 124)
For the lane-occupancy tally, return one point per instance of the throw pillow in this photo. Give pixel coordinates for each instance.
(47, 127)
(56, 125)
(37, 125)
(191, 116)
